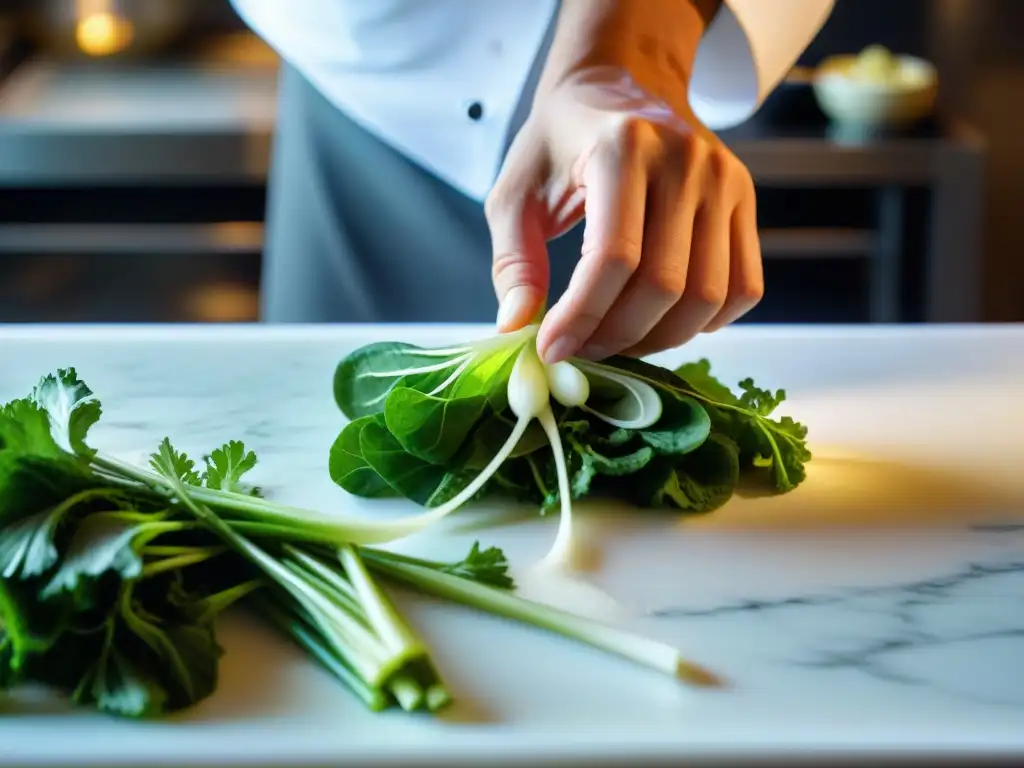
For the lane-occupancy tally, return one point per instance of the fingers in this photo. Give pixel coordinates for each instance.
(659, 282)
(520, 269)
(724, 277)
(670, 247)
(707, 284)
(746, 273)
(615, 179)
(516, 219)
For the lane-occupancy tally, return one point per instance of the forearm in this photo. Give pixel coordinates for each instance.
(655, 41)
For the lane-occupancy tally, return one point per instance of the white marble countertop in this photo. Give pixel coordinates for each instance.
(878, 611)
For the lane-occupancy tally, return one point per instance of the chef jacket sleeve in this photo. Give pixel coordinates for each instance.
(746, 51)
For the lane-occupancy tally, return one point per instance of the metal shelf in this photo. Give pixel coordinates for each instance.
(150, 239)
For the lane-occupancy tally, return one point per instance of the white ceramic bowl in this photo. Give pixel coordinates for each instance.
(905, 96)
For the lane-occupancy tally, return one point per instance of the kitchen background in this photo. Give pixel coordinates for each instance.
(134, 139)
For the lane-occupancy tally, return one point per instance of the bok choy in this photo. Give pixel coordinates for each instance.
(445, 426)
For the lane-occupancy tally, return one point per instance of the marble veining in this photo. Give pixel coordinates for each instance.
(911, 631)
(911, 626)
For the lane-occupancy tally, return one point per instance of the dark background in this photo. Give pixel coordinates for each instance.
(976, 45)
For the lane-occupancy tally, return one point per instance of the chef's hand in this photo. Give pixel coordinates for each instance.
(670, 246)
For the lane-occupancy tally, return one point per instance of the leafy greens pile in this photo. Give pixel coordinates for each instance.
(112, 575)
(443, 426)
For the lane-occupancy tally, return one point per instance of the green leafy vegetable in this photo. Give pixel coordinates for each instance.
(112, 576)
(437, 426)
(350, 469)
(226, 466)
(698, 482)
(428, 427)
(778, 445)
(75, 607)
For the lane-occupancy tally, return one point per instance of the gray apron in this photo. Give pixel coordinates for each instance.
(356, 232)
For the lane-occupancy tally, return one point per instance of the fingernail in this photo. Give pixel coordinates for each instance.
(560, 349)
(514, 305)
(595, 352)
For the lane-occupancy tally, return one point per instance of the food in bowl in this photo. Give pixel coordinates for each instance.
(876, 87)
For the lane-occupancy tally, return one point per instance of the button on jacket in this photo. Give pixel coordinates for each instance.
(440, 80)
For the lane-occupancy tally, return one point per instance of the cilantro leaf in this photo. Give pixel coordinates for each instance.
(226, 466)
(485, 566)
(116, 684)
(170, 462)
(761, 401)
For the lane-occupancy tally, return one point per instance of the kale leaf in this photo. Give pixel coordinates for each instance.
(778, 445)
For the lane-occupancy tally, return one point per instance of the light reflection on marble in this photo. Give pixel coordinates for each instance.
(879, 606)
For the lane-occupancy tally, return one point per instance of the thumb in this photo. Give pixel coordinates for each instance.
(520, 270)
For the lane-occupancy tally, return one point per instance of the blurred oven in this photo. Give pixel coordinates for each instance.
(183, 264)
(117, 29)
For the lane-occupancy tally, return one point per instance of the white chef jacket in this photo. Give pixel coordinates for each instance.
(439, 80)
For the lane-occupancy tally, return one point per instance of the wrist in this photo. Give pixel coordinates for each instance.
(654, 41)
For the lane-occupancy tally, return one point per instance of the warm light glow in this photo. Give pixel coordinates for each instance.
(223, 302)
(103, 33)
